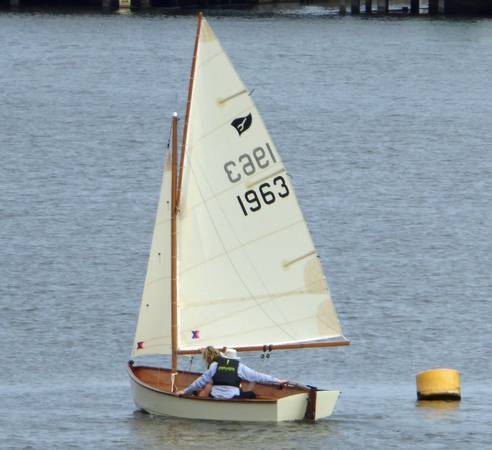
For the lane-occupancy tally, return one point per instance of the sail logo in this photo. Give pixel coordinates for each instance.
(195, 334)
(241, 124)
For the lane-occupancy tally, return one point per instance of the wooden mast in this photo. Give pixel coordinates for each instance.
(174, 312)
(175, 197)
(188, 107)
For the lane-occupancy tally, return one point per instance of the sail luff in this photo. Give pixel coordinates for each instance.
(174, 328)
(188, 107)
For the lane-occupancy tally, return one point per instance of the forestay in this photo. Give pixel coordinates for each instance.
(248, 273)
(153, 335)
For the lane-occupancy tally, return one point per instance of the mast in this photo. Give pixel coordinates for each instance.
(176, 194)
(188, 107)
(174, 327)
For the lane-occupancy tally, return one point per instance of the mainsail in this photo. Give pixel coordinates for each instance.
(153, 335)
(248, 272)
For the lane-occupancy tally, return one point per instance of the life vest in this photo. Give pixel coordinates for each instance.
(227, 372)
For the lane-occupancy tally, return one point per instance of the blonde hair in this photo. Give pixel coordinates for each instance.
(209, 354)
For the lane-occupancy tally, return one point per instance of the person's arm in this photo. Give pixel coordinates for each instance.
(251, 375)
(200, 382)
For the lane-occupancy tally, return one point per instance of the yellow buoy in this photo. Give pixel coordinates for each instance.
(439, 384)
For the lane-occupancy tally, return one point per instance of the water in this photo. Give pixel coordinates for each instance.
(384, 125)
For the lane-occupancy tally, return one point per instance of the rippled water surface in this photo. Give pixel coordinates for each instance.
(385, 127)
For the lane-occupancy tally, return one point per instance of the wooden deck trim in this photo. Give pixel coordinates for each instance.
(134, 377)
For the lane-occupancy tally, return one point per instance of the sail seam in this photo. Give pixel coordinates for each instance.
(278, 172)
(224, 337)
(264, 298)
(263, 302)
(211, 58)
(245, 244)
(155, 280)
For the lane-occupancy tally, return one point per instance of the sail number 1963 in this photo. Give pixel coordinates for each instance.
(250, 201)
(247, 165)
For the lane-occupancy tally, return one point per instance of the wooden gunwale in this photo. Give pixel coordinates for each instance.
(136, 379)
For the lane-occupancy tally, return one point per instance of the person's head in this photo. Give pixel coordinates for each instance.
(230, 353)
(209, 354)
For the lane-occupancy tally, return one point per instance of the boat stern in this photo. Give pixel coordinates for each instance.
(311, 406)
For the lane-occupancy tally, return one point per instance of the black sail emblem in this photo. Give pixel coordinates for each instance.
(241, 124)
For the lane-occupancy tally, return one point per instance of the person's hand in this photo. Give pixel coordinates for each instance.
(179, 393)
(283, 382)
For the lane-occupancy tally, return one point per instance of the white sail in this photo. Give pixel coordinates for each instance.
(248, 273)
(153, 335)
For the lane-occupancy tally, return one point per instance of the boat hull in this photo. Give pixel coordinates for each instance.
(290, 404)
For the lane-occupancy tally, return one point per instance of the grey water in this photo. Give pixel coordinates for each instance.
(385, 127)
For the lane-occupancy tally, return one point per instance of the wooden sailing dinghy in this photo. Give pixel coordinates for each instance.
(232, 262)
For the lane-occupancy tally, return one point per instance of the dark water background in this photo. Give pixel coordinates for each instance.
(385, 127)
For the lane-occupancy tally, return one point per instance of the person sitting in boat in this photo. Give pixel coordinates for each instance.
(226, 372)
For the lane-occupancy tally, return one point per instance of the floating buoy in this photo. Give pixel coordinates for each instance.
(439, 384)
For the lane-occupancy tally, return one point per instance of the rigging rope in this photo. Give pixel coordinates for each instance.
(169, 138)
(265, 355)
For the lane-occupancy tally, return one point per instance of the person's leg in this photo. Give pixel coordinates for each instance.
(205, 392)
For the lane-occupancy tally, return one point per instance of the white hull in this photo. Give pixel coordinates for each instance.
(291, 406)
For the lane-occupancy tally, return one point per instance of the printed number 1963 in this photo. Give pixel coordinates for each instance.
(267, 195)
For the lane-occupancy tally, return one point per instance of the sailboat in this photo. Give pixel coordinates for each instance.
(232, 263)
